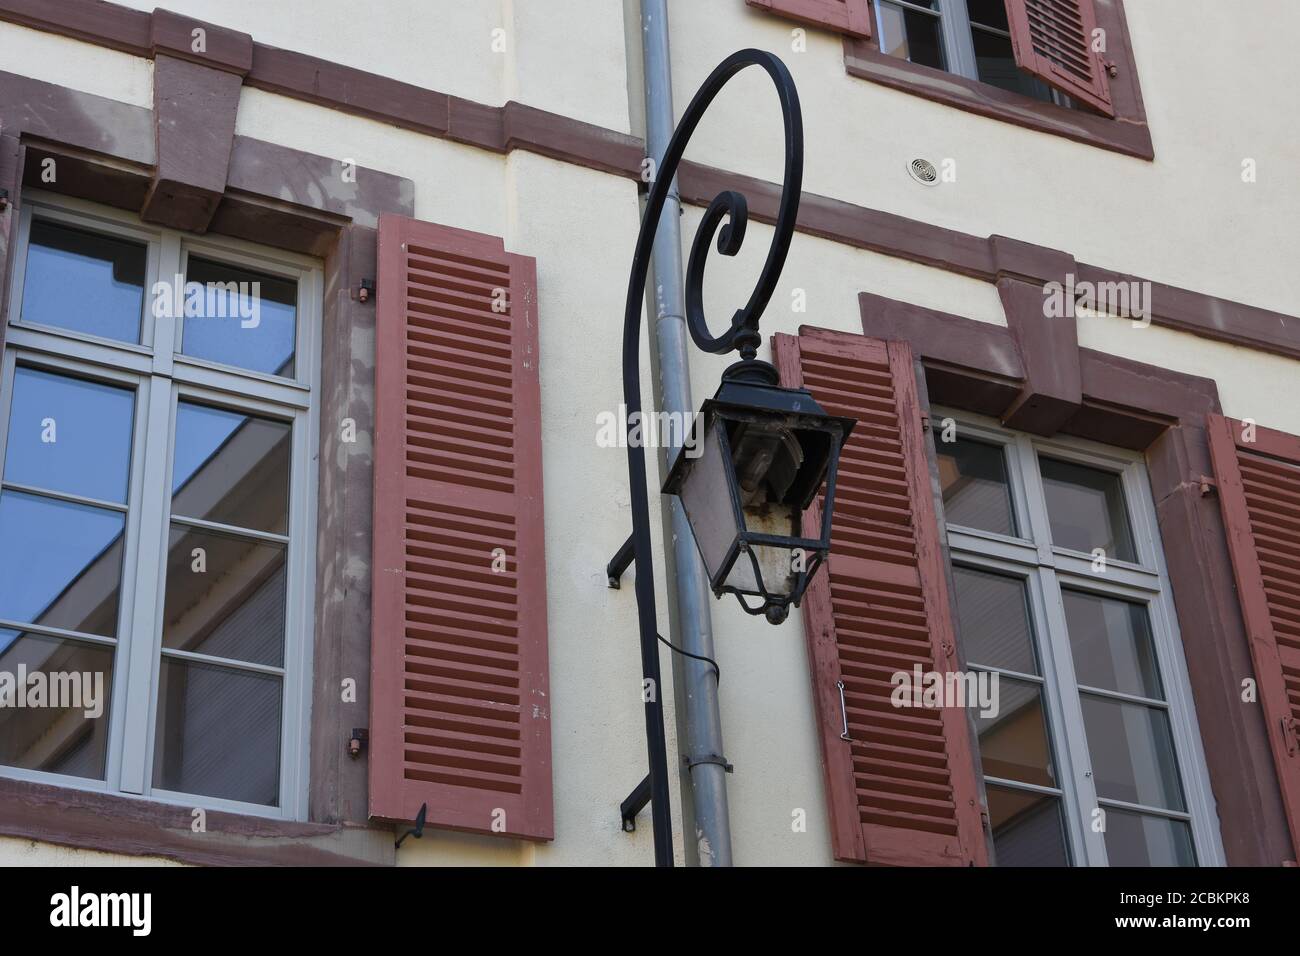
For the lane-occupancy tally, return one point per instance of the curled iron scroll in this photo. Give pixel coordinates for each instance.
(743, 334)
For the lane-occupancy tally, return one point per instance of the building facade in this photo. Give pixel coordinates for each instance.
(312, 331)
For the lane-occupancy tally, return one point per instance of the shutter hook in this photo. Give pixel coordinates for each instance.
(418, 830)
(844, 713)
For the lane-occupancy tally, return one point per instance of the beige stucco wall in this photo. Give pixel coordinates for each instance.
(1186, 219)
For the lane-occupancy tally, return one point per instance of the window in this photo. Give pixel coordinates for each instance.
(156, 510)
(971, 38)
(1093, 756)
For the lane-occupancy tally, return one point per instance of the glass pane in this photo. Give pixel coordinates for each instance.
(231, 468)
(1111, 643)
(242, 318)
(218, 732)
(994, 620)
(1135, 839)
(225, 596)
(990, 13)
(84, 281)
(70, 435)
(1086, 509)
(995, 62)
(1027, 828)
(1013, 744)
(911, 35)
(60, 563)
(707, 484)
(70, 737)
(976, 493)
(1132, 751)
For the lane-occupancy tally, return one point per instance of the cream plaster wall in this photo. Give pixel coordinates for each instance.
(81, 66)
(1216, 88)
(560, 55)
(30, 853)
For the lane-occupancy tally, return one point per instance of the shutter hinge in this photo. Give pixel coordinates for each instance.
(1208, 485)
(366, 290)
(1291, 734)
(357, 741)
(925, 422)
(1112, 68)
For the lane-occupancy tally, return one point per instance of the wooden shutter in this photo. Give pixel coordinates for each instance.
(1259, 493)
(460, 712)
(844, 16)
(1053, 41)
(904, 790)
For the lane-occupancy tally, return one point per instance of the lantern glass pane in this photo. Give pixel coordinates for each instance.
(774, 564)
(706, 496)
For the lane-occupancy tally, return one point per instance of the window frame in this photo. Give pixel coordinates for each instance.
(1046, 571)
(955, 26)
(160, 378)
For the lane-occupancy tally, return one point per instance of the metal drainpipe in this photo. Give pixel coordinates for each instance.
(697, 693)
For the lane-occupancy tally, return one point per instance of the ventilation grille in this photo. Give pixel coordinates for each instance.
(924, 172)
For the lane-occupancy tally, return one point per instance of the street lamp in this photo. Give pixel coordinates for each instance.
(766, 451)
(758, 456)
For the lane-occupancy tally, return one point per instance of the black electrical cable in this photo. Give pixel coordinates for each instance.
(717, 671)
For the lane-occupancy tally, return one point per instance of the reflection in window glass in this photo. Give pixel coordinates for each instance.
(84, 281)
(1086, 509)
(69, 435)
(1027, 828)
(60, 563)
(1111, 644)
(976, 493)
(229, 604)
(910, 34)
(247, 319)
(1132, 750)
(1013, 744)
(231, 468)
(1139, 839)
(994, 620)
(218, 732)
(67, 740)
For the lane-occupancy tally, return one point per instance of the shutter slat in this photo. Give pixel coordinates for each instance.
(903, 790)
(1258, 483)
(1052, 40)
(459, 702)
(852, 17)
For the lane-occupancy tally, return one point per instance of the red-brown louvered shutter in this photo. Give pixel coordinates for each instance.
(844, 16)
(1053, 40)
(1259, 493)
(460, 712)
(903, 790)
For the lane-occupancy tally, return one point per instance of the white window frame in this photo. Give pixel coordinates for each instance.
(161, 377)
(1046, 569)
(957, 41)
